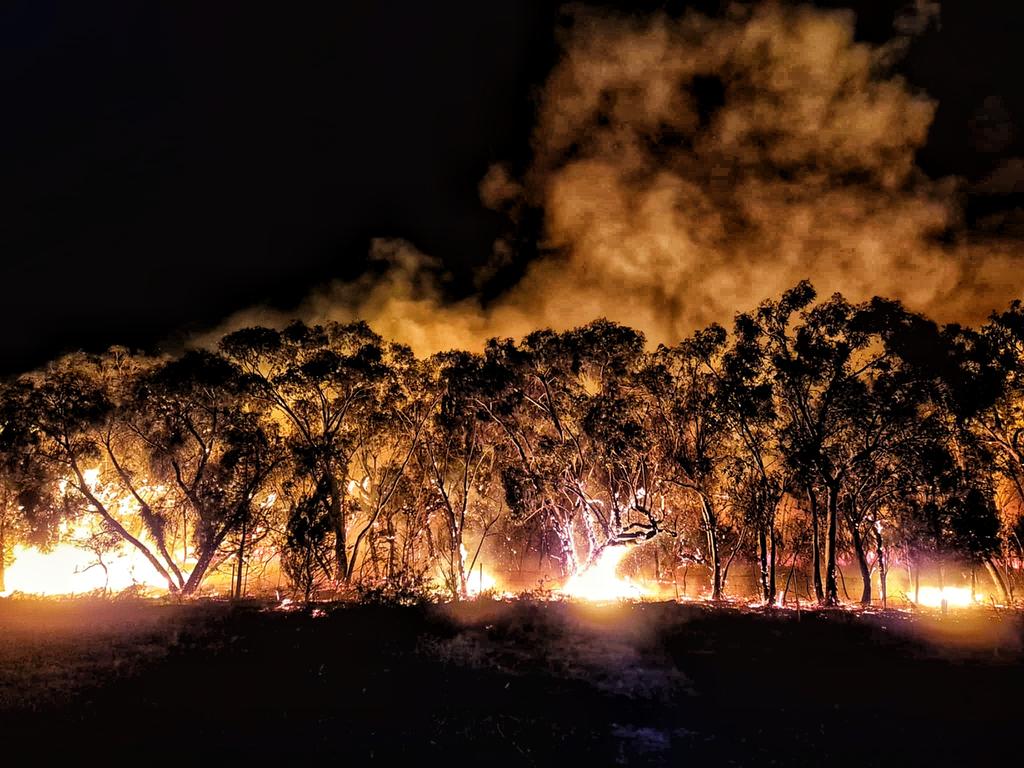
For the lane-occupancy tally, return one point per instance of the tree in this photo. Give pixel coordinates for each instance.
(380, 466)
(1001, 424)
(746, 399)
(211, 447)
(155, 449)
(847, 386)
(981, 378)
(458, 460)
(334, 387)
(545, 393)
(72, 412)
(27, 511)
(692, 433)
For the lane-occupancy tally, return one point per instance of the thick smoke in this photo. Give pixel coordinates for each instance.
(687, 168)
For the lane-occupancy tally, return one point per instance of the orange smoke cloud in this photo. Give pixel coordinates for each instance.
(669, 208)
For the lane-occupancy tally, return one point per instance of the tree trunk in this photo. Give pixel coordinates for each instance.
(819, 592)
(342, 567)
(206, 555)
(241, 564)
(762, 555)
(883, 567)
(3, 557)
(997, 579)
(83, 488)
(711, 524)
(862, 562)
(565, 539)
(773, 590)
(459, 563)
(588, 529)
(831, 587)
(199, 572)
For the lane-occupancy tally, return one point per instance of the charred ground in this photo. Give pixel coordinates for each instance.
(520, 683)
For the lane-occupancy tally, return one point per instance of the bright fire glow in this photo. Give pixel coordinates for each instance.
(955, 597)
(480, 581)
(71, 570)
(71, 567)
(600, 582)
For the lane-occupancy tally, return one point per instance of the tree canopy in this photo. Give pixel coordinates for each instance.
(814, 434)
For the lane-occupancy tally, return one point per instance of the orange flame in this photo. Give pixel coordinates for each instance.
(70, 570)
(954, 597)
(599, 581)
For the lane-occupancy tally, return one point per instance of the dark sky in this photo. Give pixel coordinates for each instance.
(165, 164)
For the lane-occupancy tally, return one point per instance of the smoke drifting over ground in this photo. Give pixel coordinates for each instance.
(687, 168)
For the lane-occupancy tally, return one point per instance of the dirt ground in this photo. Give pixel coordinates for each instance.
(506, 683)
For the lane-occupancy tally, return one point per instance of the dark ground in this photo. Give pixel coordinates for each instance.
(505, 684)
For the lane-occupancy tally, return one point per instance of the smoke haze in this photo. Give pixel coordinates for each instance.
(687, 168)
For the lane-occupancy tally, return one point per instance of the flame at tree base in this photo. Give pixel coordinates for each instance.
(599, 581)
(953, 597)
(480, 582)
(69, 570)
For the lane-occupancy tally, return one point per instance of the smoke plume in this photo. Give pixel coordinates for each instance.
(687, 168)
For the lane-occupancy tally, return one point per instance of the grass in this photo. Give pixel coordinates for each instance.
(498, 683)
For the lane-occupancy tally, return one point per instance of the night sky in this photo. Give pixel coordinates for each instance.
(165, 165)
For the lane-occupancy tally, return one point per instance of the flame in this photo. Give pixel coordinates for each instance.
(71, 567)
(480, 581)
(955, 597)
(70, 570)
(599, 581)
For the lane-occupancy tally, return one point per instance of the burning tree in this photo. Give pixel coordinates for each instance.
(357, 462)
(553, 390)
(27, 511)
(165, 453)
(458, 462)
(213, 449)
(692, 432)
(333, 388)
(984, 386)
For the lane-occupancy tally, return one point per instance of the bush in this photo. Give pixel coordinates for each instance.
(405, 589)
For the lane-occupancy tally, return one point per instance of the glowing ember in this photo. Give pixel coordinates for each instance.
(600, 581)
(955, 597)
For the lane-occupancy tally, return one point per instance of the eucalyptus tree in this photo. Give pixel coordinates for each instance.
(996, 418)
(162, 452)
(458, 461)
(745, 398)
(381, 467)
(73, 411)
(847, 384)
(981, 388)
(692, 436)
(540, 394)
(336, 389)
(1001, 424)
(213, 451)
(27, 512)
(907, 464)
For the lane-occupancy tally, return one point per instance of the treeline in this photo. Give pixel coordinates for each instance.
(817, 433)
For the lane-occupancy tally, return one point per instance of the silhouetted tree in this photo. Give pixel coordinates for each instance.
(334, 387)
(692, 431)
(211, 447)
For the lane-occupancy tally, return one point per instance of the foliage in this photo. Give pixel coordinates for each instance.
(815, 432)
